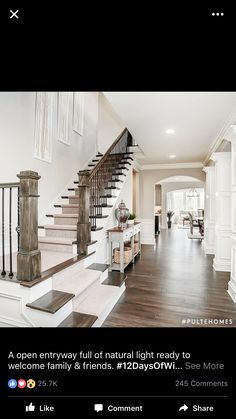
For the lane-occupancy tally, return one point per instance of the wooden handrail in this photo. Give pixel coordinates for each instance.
(104, 157)
(10, 185)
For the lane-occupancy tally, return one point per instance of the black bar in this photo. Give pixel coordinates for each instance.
(3, 238)
(10, 238)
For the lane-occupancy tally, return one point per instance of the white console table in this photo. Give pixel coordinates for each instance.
(117, 235)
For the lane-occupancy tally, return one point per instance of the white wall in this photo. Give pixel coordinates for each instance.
(17, 118)
(109, 124)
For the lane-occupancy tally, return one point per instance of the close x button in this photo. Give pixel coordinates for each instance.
(14, 14)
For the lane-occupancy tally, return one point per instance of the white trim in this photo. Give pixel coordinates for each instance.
(193, 165)
(43, 126)
(220, 136)
(137, 166)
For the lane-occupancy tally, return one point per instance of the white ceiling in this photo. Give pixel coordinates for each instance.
(197, 118)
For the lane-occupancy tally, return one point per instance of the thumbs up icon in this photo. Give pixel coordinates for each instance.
(30, 408)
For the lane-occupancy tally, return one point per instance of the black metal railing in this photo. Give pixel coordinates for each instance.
(10, 220)
(104, 175)
(97, 186)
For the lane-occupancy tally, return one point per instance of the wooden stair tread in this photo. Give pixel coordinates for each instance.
(107, 196)
(51, 302)
(70, 197)
(91, 243)
(103, 206)
(115, 278)
(98, 266)
(78, 320)
(69, 205)
(99, 216)
(65, 215)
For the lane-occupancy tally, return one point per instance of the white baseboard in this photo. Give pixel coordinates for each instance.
(209, 250)
(222, 266)
(232, 290)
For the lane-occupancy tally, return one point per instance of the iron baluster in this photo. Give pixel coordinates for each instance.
(3, 238)
(10, 237)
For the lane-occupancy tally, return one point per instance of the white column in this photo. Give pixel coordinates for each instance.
(232, 282)
(209, 212)
(163, 207)
(222, 260)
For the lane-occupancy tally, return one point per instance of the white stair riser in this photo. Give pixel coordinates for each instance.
(43, 319)
(92, 248)
(100, 222)
(65, 221)
(68, 234)
(104, 275)
(102, 317)
(89, 260)
(106, 211)
(74, 200)
(69, 210)
(56, 247)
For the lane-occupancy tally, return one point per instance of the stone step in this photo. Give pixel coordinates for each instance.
(51, 302)
(78, 320)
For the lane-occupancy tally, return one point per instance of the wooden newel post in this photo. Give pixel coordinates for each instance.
(29, 256)
(83, 225)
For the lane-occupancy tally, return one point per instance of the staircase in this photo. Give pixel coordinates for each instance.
(79, 292)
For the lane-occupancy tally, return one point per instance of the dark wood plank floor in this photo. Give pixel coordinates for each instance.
(172, 282)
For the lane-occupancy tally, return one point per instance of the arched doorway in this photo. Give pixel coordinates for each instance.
(167, 186)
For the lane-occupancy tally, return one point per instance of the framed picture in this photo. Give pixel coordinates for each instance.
(45, 107)
(65, 104)
(78, 113)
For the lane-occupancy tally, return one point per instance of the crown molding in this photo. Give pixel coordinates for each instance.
(208, 169)
(223, 134)
(221, 155)
(193, 165)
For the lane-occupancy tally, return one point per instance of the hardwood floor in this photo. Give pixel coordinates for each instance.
(172, 282)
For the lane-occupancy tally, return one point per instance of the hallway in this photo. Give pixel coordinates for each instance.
(171, 283)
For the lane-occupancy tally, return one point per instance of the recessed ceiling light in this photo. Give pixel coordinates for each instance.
(170, 131)
(172, 156)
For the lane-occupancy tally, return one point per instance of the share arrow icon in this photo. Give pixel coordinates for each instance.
(184, 407)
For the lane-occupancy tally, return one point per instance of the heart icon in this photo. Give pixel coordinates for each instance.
(21, 383)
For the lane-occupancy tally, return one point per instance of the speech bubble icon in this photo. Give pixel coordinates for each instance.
(98, 407)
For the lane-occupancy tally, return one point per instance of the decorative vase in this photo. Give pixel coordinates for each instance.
(169, 224)
(122, 214)
(130, 222)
